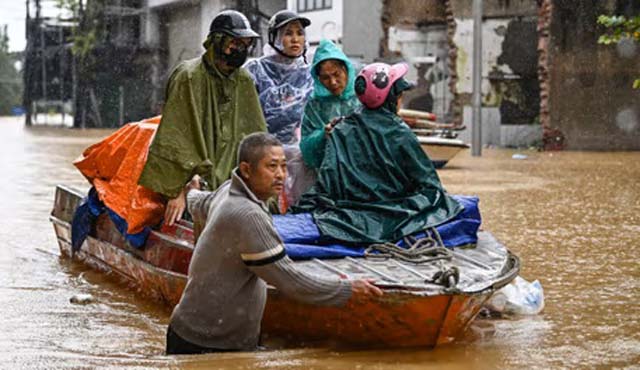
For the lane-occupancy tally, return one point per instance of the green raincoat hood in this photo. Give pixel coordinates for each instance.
(323, 106)
(329, 50)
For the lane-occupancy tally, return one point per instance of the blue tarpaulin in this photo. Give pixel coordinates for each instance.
(85, 216)
(303, 240)
(299, 232)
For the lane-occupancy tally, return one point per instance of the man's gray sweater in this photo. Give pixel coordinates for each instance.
(238, 251)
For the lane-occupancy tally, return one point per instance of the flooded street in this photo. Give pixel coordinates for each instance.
(572, 217)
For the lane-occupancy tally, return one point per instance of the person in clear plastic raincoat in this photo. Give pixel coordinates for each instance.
(282, 75)
(284, 84)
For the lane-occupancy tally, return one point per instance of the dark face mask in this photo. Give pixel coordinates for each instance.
(236, 57)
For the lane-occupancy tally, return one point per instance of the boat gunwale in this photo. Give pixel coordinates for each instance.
(460, 145)
(146, 265)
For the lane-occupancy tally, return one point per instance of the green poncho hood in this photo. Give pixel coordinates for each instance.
(328, 50)
(205, 116)
(376, 184)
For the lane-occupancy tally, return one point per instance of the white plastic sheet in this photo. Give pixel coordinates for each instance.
(520, 297)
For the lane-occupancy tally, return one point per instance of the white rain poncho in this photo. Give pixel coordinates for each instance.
(283, 85)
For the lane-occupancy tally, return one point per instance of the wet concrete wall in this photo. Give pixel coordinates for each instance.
(363, 31)
(415, 12)
(496, 8)
(413, 30)
(444, 29)
(590, 100)
(182, 34)
(410, 20)
(510, 86)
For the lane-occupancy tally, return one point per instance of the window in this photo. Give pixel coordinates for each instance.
(311, 5)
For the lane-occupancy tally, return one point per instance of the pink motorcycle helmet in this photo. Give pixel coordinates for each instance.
(375, 82)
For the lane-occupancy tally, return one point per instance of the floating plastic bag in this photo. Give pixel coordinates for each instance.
(520, 297)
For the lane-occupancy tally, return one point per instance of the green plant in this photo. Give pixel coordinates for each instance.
(618, 28)
(85, 32)
(10, 78)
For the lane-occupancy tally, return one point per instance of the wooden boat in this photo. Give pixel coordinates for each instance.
(438, 140)
(414, 311)
(441, 149)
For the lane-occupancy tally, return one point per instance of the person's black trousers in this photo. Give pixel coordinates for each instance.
(176, 345)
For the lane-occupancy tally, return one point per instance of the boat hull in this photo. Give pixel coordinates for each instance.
(400, 318)
(441, 150)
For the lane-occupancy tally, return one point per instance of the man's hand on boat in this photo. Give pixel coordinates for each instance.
(361, 289)
(176, 206)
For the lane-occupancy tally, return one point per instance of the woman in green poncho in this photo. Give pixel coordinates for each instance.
(375, 183)
(333, 97)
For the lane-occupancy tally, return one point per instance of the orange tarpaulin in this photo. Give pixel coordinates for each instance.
(114, 166)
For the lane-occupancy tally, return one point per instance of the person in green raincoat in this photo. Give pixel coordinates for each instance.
(333, 97)
(375, 183)
(211, 104)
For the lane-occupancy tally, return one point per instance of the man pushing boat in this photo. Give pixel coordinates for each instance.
(238, 253)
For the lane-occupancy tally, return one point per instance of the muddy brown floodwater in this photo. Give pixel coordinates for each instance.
(572, 217)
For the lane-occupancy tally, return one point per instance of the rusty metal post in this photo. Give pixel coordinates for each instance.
(27, 98)
(43, 59)
(61, 50)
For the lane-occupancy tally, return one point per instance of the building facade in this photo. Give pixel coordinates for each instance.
(546, 81)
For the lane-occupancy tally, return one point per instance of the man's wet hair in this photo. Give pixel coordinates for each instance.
(253, 146)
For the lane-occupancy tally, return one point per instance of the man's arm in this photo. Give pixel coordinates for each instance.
(198, 201)
(264, 254)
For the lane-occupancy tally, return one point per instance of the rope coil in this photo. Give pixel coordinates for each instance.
(427, 249)
(420, 251)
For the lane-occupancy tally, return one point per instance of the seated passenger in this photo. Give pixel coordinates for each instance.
(211, 104)
(284, 84)
(282, 76)
(375, 183)
(333, 96)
